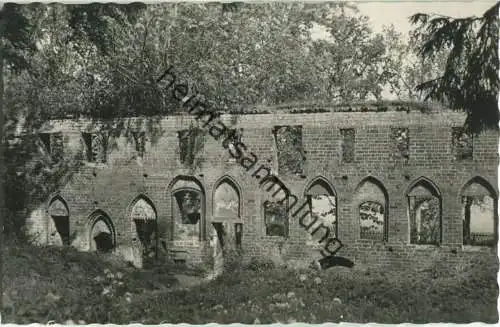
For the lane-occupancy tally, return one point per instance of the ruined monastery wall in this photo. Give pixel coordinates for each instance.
(375, 168)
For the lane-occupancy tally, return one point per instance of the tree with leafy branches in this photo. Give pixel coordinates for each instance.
(44, 54)
(470, 80)
(101, 61)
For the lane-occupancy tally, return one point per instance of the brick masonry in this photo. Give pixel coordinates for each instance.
(113, 186)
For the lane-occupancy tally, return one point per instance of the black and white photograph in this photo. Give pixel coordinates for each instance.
(249, 162)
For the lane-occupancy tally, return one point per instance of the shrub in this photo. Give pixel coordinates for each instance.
(257, 264)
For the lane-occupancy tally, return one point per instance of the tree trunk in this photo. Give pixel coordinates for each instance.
(2, 168)
(466, 229)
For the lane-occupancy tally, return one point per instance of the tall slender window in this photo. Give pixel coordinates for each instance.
(424, 203)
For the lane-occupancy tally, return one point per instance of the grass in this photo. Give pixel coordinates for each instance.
(50, 284)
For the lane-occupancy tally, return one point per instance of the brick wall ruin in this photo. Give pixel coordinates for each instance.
(400, 188)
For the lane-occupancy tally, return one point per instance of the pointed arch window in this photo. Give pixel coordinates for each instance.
(322, 201)
(59, 213)
(143, 216)
(479, 214)
(102, 236)
(371, 202)
(424, 209)
(227, 202)
(188, 209)
(227, 208)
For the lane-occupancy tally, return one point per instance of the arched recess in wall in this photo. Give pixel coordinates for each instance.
(102, 235)
(187, 209)
(59, 213)
(144, 225)
(226, 205)
(226, 212)
(322, 200)
(479, 213)
(424, 212)
(371, 207)
(275, 200)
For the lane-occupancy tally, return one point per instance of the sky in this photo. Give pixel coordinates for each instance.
(384, 13)
(398, 13)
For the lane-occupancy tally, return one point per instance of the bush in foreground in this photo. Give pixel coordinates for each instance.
(48, 284)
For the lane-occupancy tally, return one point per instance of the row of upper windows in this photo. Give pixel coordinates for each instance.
(288, 141)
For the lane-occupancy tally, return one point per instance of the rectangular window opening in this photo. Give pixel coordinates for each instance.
(276, 219)
(462, 144)
(95, 147)
(140, 143)
(348, 144)
(45, 138)
(401, 141)
(191, 143)
(57, 146)
(291, 154)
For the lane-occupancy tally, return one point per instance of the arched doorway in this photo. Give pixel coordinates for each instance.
(424, 210)
(102, 236)
(226, 213)
(59, 213)
(144, 227)
(226, 228)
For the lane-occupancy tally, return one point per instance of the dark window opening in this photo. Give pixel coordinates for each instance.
(140, 143)
(291, 155)
(87, 139)
(462, 144)
(56, 146)
(219, 228)
(146, 231)
(189, 202)
(104, 242)
(401, 139)
(233, 136)
(45, 138)
(62, 227)
(348, 144)
(239, 234)
(226, 239)
(231, 139)
(53, 143)
(191, 143)
(95, 147)
(276, 219)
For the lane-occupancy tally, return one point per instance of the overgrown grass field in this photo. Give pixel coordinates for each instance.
(51, 284)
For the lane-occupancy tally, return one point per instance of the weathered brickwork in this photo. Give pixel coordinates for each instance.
(113, 187)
